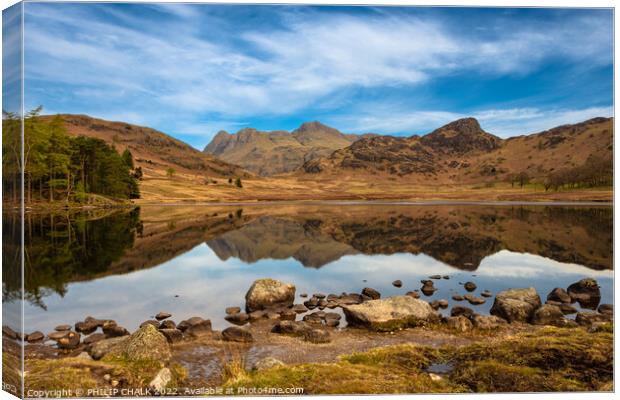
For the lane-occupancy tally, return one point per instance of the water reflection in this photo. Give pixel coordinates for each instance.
(199, 260)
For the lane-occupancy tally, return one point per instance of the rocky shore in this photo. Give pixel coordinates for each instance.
(270, 312)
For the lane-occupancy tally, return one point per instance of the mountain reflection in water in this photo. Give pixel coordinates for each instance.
(68, 252)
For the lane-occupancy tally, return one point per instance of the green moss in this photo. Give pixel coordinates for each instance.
(493, 376)
(573, 354)
(394, 369)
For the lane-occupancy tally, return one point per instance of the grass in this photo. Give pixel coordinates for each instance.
(77, 373)
(550, 359)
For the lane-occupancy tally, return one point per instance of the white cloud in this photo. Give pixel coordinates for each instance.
(501, 122)
(173, 70)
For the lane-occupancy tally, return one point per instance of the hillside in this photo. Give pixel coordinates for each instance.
(275, 152)
(152, 150)
(463, 153)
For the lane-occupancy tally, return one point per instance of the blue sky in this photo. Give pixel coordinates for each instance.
(191, 70)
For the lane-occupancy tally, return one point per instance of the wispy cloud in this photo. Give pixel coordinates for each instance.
(187, 64)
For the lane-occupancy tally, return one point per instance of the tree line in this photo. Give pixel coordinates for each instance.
(58, 167)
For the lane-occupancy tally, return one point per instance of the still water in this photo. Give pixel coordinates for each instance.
(198, 260)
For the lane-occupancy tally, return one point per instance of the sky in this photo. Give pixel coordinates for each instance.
(192, 70)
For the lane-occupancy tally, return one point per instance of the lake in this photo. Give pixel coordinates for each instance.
(198, 260)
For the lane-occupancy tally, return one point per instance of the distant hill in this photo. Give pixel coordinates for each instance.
(152, 150)
(275, 152)
(462, 152)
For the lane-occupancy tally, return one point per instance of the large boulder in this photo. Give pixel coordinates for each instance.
(268, 293)
(589, 318)
(236, 334)
(549, 314)
(195, 326)
(390, 313)
(586, 292)
(560, 295)
(147, 343)
(459, 323)
(100, 348)
(516, 305)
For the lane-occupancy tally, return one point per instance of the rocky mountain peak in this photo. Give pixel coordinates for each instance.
(461, 136)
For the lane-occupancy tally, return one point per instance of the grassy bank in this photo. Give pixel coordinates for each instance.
(554, 359)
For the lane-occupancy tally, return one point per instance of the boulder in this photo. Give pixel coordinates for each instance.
(516, 305)
(559, 295)
(93, 338)
(167, 324)
(470, 286)
(195, 326)
(372, 293)
(437, 304)
(172, 335)
(487, 321)
(34, 337)
(70, 341)
(567, 309)
(428, 290)
(236, 334)
(299, 308)
(288, 314)
(397, 283)
(56, 335)
(267, 363)
(8, 332)
(100, 348)
(86, 327)
(390, 313)
(549, 314)
(473, 300)
(267, 293)
(161, 380)
(586, 292)
(162, 315)
(459, 323)
(147, 343)
(460, 310)
(112, 330)
(256, 315)
(316, 336)
(588, 318)
(290, 328)
(61, 328)
(238, 319)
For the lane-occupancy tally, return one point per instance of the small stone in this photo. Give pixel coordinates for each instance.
(233, 310)
(415, 295)
(289, 328)
(428, 290)
(486, 293)
(236, 334)
(397, 283)
(288, 315)
(162, 315)
(161, 380)
(70, 341)
(34, 337)
(567, 309)
(488, 322)
(167, 324)
(317, 336)
(56, 335)
(107, 377)
(559, 295)
(435, 377)
(172, 335)
(460, 310)
(86, 327)
(457, 297)
(372, 293)
(62, 328)
(473, 300)
(195, 326)
(446, 277)
(238, 319)
(303, 295)
(470, 286)
(115, 331)
(319, 295)
(93, 338)
(299, 308)
(435, 276)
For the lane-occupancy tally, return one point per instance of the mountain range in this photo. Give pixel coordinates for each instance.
(318, 162)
